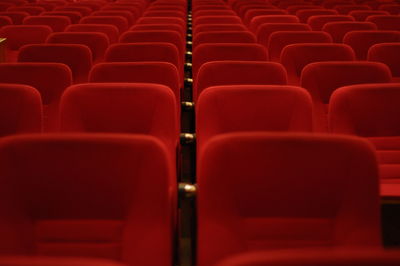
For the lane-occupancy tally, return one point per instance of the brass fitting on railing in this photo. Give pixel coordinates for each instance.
(187, 190)
(187, 138)
(187, 106)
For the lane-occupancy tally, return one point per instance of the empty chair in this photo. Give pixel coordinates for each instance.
(156, 36)
(50, 79)
(84, 11)
(374, 114)
(96, 41)
(252, 13)
(257, 21)
(16, 17)
(316, 257)
(216, 20)
(120, 22)
(77, 57)
(110, 30)
(47, 6)
(110, 177)
(75, 17)
(213, 13)
(165, 13)
(32, 10)
(217, 73)
(332, 3)
(4, 6)
(20, 109)
(223, 37)
(126, 14)
(56, 23)
(4, 21)
(163, 73)
(322, 78)
(140, 52)
(226, 51)
(305, 14)
(346, 9)
(278, 40)
(270, 189)
(389, 54)
(218, 27)
(294, 9)
(162, 20)
(385, 22)
(362, 15)
(361, 41)
(338, 29)
(295, 57)
(173, 27)
(20, 35)
(265, 30)
(393, 9)
(318, 22)
(135, 108)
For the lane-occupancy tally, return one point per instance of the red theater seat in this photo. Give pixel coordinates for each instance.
(90, 199)
(120, 22)
(57, 23)
(135, 108)
(253, 13)
(174, 27)
(84, 11)
(16, 17)
(295, 57)
(316, 257)
(110, 30)
(20, 35)
(265, 30)
(362, 15)
(139, 72)
(126, 14)
(304, 15)
(346, 9)
(217, 73)
(96, 41)
(20, 109)
(50, 79)
(266, 191)
(385, 22)
(339, 29)
(223, 51)
(257, 21)
(318, 22)
(162, 20)
(216, 20)
(374, 114)
(218, 27)
(31, 10)
(75, 17)
(323, 78)
(52, 261)
(4, 21)
(223, 37)
(77, 57)
(389, 54)
(280, 39)
(361, 41)
(393, 9)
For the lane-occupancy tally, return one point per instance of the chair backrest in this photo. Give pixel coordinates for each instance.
(144, 72)
(253, 13)
(32, 10)
(84, 11)
(120, 22)
(339, 29)
(20, 109)
(73, 15)
(318, 22)
(110, 30)
(387, 53)
(305, 14)
(20, 35)
(393, 9)
(321, 79)
(133, 108)
(218, 27)
(96, 41)
(77, 57)
(373, 111)
(223, 37)
(116, 220)
(216, 73)
(293, 175)
(216, 20)
(56, 23)
(223, 51)
(126, 14)
(279, 40)
(295, 57)
(16, 17)
(362, 15)
(361, 41)
(385, 22)
(257, 21)
(265, 30)
(50, 79)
